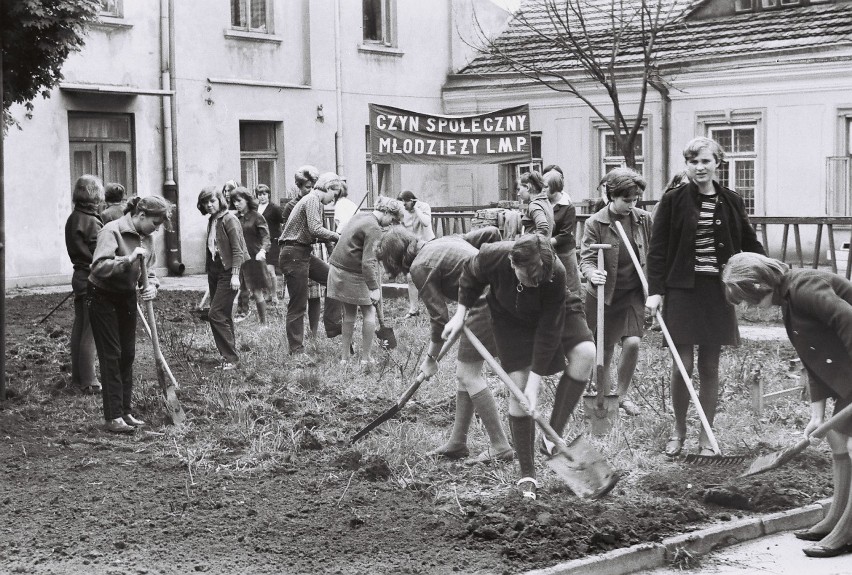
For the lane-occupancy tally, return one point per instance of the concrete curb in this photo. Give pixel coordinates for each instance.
(647, 556)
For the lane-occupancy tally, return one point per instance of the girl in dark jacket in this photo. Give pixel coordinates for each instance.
(817, 310)
(256, 235)
(81, 236)
(226, 251)
(698, 226)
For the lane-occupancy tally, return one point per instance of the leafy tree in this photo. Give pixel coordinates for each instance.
(36, 37)
(563, 44)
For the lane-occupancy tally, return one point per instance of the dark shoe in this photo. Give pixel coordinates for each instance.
(822, 551)
(808, 535)
(674, 446)
(241, 317)
(487, 457)
(93, 389)
(446, 452)
(130, 420)
(118, 425)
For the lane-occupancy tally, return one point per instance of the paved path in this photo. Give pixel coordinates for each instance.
(779, 554)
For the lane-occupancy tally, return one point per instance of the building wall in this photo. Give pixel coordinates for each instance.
(220, 79)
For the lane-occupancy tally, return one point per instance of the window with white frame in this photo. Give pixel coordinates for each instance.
(102, 144)
(737, 172)
(112, 8)
(379, 22)
(769, 3)
(534, 166)
(611, 156)
(838, 181)
(382, 179)
(252, 16)
(743, 5)
(259, 155)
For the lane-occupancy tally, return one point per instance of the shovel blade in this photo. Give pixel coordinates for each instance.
(387, 337)
(775, 459)
(600, 418)
(584, 469)
(715, 460)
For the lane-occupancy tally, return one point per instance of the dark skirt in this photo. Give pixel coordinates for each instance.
(347, 287)
(625, 317)
(701, 315)
(254, 274)
(478, 320)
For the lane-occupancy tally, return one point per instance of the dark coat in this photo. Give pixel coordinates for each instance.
(817, 309)
(671, 257)
(81, 238)
(272, 215)
(255, 232)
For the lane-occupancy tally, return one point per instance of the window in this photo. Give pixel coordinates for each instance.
(252, 16)
(738, 170)
(768, 3)
(838, 197)
(790, 2)
(611, 156)
(382, 179)
(259, 155)
(743, 5)
(379, 22)
(102, 144)
(535, 165)
(112, 8)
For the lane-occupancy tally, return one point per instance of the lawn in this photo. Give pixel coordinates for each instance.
(262, 478)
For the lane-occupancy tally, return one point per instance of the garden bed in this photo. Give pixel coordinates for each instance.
(262, 479)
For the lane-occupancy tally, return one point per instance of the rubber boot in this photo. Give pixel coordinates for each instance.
(523, 435)
(456, 447)
(568, 394)
(486, 408)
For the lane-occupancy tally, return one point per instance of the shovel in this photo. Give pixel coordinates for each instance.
(578, 463)
(601, 410)
(776, 459)
(176, 413)
(718, 459)
(387, 338)
(403, 399)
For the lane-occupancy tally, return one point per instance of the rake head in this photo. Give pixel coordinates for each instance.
(715, 460)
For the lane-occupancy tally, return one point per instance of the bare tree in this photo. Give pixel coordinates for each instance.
(562, 44)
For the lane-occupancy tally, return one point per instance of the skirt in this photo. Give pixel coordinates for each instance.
(254, 274)
(701, 315)
(479, 322)
(625, 317)
(347, 287)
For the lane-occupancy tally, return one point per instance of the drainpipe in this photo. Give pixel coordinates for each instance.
(666, 136)
(338, 93)
(170, 189)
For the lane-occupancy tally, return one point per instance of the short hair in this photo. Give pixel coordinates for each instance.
(153, 206)
(406, 196)
(550, 167)
(390, 206)
(246, 195)
(305, 174)
(262, 189)
(534, 180)
(749, 277)
(696, 145)
(622, 182)
(206, 194)
(554, 181)
(113, 192)
(88, 191)
(532, 253)
(328, 181)
(396, 250)
(230, 185)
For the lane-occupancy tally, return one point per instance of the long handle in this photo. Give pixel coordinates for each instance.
(599, 351)
(421, 377)
(152, 327)
(515, 390)
(681, 368)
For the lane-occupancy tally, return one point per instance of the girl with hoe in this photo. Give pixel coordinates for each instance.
(817, 310)
(533, 326)
(435, 268)
(353, 277)
(111, 301)
(624, 312)
(697, 227)
(226, 252)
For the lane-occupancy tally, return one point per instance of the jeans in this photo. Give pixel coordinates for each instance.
(221, 306)
(113, 319)
(298, 265)
(83, 350)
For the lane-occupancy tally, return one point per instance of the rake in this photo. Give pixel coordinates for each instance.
(716, 460)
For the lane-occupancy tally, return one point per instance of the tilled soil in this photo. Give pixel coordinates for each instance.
(76, 500)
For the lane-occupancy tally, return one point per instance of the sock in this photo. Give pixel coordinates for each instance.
(486, 408)
(568, 394)
(842, 472)
(523, 434)
(464, 415)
